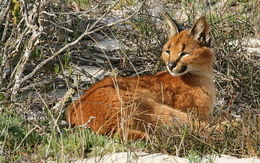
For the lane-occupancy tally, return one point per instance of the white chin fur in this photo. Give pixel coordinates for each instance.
(174, 73)
(177, 74)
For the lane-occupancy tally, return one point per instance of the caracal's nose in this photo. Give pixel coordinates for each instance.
(171, 65)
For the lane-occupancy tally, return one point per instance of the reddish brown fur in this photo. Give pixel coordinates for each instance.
(136, 105)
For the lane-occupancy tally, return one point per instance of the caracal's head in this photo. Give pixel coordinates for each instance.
(187, 50)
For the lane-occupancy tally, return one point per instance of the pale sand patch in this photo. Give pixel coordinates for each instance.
(141, 157)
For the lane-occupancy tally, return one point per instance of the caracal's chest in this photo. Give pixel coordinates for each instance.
(186, 92)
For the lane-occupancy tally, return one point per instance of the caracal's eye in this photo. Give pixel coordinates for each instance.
(168, 52)
(183, 54)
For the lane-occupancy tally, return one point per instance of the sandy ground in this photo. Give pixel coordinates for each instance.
(142, 157)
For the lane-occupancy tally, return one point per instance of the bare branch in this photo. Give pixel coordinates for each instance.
(5, 13)
(36, 32)
(60, 104)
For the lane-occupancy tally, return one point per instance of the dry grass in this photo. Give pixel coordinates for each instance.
(239, 138)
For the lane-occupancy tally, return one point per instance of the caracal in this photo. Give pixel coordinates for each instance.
(132, 107)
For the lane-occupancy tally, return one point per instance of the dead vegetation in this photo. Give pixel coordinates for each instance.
(239, 138)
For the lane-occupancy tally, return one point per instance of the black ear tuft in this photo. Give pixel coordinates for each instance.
(175, 28)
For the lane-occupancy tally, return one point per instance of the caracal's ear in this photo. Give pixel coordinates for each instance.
(174, 26)
(200, 30)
